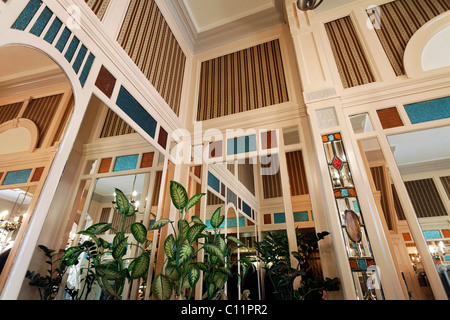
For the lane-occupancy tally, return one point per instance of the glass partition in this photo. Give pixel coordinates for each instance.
(423, 160)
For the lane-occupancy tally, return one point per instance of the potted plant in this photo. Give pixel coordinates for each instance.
(180, 271)
(110, 273)
(274, 252)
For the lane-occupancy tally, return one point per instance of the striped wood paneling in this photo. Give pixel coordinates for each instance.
(425, 198)
(397, 205)
(150, 43)
(9, 111)
(41, 111)
(297, 173)
(117, 221)
(64, 121)
(400, 20)
(380, 184)
(351, 61)
(271, 178)
(249, 79)
(114, 126)
(98, 6)
(446, 183)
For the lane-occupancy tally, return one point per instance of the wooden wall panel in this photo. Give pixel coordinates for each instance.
(399, 20)
(249, 79)
(297, 173)
(351, 61)
(425, 198)
(41, 111)
(98, 6)
(150, 43)
(9, 111)
(114, 126)
(381, 185)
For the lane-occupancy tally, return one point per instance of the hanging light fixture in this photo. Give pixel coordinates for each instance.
(306, 5)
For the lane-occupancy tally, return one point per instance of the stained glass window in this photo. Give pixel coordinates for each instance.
(360, 255)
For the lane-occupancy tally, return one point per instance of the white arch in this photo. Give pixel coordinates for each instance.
(427, 43)
(17, 272)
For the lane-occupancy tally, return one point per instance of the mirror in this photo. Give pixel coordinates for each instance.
(14, 205)
(423, 159)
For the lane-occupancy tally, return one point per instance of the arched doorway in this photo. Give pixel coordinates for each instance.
(36, 103)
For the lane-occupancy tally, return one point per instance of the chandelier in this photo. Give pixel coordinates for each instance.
(305, 5)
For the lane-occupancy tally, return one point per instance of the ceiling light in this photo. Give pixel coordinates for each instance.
(305, 5)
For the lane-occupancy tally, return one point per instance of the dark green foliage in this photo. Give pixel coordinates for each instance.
(274, 252)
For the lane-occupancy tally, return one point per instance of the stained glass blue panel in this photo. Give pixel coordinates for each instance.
(301, 216)
(41, 22)
(27, 15)
(135, 111)
(279, 218)
(61, 44)
(126, 162)
(72, 48)
(429, 110)
(432, 234)
(241, 145)
(246, 208)
(213, 182)
(14, 177)
(86, 69)
(79, 59)
(53, 31)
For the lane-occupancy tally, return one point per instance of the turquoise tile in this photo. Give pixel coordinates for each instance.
(27, 15)
(41, 22)
(246, 208)
(52, 32)
(428, 110)
(72, 49)
(15, 177)
(279, 218)
(135, 111)
(241, 145)
(79, 59)
(62, 41)
(301, 216)
(126, 163)
(432, 234)
(213, 182)
(86, 69)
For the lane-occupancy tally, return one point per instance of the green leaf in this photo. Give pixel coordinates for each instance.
(178, 194)
(162, 287)
(139, 232)
(226, 271)
(222, 244)
(169, 247)
(183, 227)
(217, 219)
(109, 289)
(247, 261)
(215, 251)
(140, 267)
(219, 280)
(104, 243)
(110, 272)
(194, 232)
(131, 211)
(202, 266)
(122, 202)
(71, 252)
(120, 249)
(235, 240)
(99, 228)
(192, 201)
(159, 224)
(196, 220)
(211, 290)
(172, 272)
(193, 274)
(184, 252)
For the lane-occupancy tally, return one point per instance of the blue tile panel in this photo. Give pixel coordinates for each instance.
(86, 69)
(72, 48)
(432, 234)
(279, 218)
(126, 163)
(41, 22)
(135, 111)
(213, 182)
(247, 210)
(79, 59)
(301, 216)
(241, 145)
(15, 177)
(208, 224)
(27, 15)
(428, 110)
(61, 44)
(232, 222)
(53, 31)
